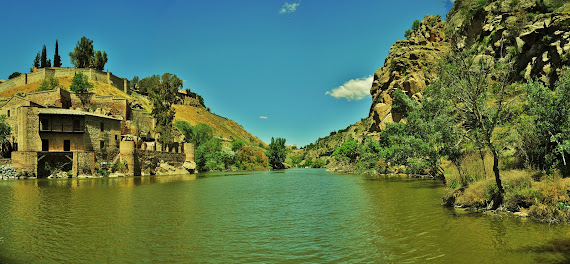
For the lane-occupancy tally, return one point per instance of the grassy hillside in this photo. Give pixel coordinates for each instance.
(224, 128)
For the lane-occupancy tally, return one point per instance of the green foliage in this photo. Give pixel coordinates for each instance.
(99, 60)
(208, 155)
(5, 129)
(347, 150)
(549, 125)
(37, 60)
(134, 82)
(401, 103)
(198, 134)
(118, 166)
(276, 153)
(82, 53)
(14, 75)
(237, 145)
(514, 3)
(80, 83)
(49, 84)
(250, 159)
(56, 57)
(162, 97)
(201, 100)
(147, 84)
(416, 25)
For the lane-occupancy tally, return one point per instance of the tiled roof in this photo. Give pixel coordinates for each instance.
(61, 111)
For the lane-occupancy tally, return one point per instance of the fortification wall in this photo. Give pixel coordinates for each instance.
(41, 74)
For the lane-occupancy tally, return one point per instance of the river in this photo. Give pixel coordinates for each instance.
(291, 216)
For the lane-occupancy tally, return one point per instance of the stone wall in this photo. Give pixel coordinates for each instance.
(26, 161)
(150, 160)
(44, 73)
(28, 136)
(114, 106)
(53, 98)
(110, 135)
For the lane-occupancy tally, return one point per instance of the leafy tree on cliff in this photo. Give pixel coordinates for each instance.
(478, 90)
(82, 53)
(56, 57)
(277, 153)
(80, 83)
(162, 97)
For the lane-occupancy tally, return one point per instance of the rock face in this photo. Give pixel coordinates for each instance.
(410, 67)
(536, 34)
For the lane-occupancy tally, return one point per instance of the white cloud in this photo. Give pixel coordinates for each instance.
(289, 8)
(355, 89)
(263, 117)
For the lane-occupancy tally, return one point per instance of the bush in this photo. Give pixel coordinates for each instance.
(347, 150)
(49, 84)
(80, 83)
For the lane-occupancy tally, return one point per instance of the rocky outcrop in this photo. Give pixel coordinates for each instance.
(410, 67)
(537, 36)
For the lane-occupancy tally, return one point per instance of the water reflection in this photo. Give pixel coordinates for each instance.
(286, 216)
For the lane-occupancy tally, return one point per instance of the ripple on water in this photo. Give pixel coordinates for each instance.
(286, 217)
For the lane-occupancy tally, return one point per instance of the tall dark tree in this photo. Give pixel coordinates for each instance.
(82, 53)
(56, 57)
(162, 97)
(276, 153)
(99, 60)
(43, 62)
(37, 60)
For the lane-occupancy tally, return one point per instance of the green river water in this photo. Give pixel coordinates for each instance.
(292, 216)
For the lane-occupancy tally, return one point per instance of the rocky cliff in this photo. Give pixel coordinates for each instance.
(536, 32)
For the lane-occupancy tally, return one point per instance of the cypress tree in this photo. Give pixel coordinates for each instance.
(44, 58)
(56, 57)
(37, 61)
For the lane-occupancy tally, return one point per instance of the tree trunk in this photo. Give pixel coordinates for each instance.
(483, 161)
(498, 199)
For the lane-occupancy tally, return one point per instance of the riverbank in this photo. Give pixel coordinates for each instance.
(528, 193)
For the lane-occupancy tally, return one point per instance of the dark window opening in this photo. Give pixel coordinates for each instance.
(116, 137)
(101, 144)
(76, 125)
(44, 124)
(102, 126)
(8, 113)
(66, 145)
(45, 145)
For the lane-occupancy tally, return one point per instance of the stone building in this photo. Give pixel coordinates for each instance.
(58, 130)
(67, 139)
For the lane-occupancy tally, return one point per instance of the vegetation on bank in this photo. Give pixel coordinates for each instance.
(496, 143)
(214, 154)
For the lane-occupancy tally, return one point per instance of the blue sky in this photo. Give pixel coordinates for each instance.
(292, 69)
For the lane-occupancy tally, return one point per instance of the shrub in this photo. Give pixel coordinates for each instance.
(80, 83)
(49, 84)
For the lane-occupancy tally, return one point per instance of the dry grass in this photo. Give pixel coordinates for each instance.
(223, 127)
(547, 200)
